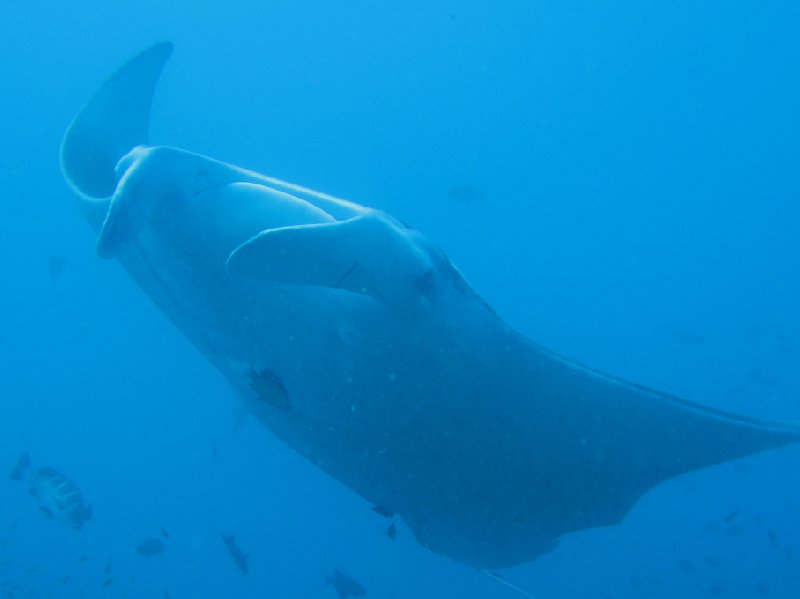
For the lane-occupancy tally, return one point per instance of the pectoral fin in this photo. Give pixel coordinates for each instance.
(371, 255)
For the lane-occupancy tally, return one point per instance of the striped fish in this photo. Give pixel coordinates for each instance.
(58, 496)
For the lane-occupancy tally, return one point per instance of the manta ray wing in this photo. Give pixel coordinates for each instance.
(394, 377)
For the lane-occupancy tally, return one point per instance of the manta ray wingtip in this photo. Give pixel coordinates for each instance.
(114, 121)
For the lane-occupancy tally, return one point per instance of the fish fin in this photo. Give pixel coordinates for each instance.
(23, 467)
(115, 120)
(48, 513)
(371, 254)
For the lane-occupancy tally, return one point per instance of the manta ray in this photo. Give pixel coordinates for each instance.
(355, 340)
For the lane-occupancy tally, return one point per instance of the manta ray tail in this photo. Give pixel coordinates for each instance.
(114, 121)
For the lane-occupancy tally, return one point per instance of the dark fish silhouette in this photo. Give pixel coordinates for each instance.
(269, 388)
(345, 586)
(150, 547)
(239, 557)
(107, 582)
(58, 496)
(731, 516)
(391, 532)
(164, 532)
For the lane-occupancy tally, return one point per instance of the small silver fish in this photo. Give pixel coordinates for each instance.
(58, 496)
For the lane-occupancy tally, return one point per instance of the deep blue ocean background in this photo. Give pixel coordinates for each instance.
(618, 180)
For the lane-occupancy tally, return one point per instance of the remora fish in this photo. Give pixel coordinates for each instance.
(58, 496)
(356, 341)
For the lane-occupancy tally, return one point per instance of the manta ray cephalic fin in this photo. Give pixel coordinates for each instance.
(115, 120)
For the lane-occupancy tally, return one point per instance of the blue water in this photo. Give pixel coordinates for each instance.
(631, 202)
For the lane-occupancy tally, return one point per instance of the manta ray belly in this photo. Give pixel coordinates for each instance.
(353, 339)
